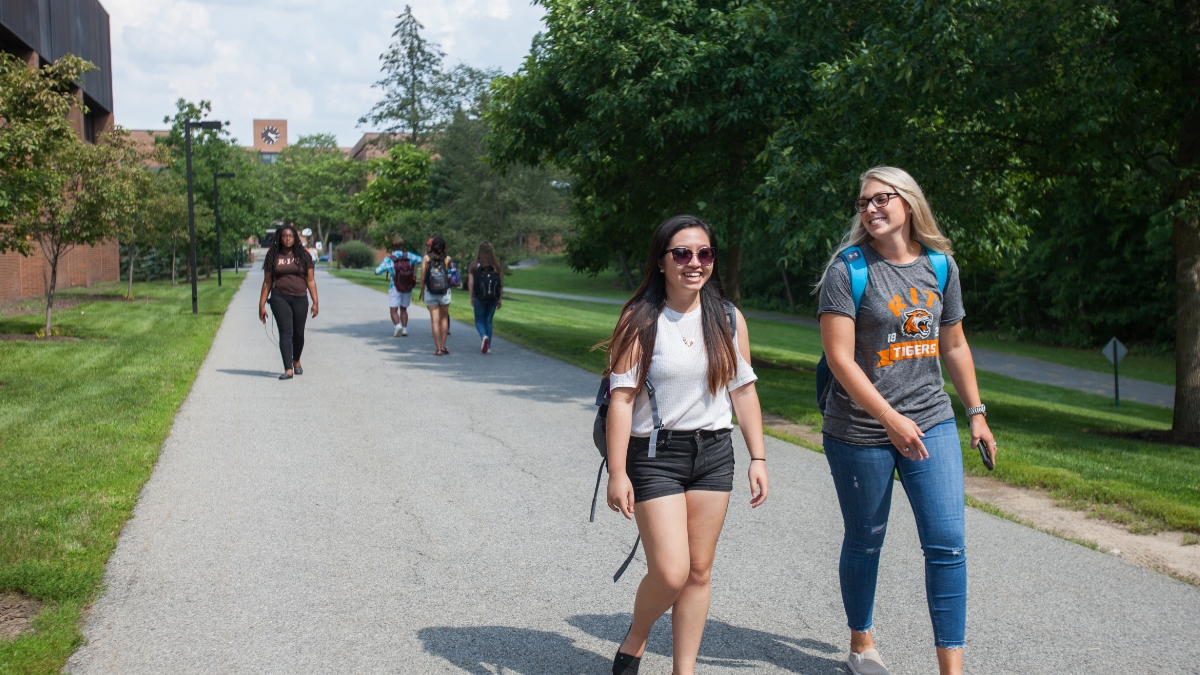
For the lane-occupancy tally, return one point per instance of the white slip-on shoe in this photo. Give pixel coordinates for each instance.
(866, 663)
(396, 330)
(403, 331)
(484, 345)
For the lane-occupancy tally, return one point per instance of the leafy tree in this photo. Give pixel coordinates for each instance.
(654, 108)
(159, 216)
(33, 129)
(419, 95)
(92, 186)
(476, 202)
(401, 181)
(247, 201)
(315, 183)
(1077, 122)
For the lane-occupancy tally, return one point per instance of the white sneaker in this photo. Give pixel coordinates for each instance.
(396, 330)
(866, 663)
(484, 347)
(403, 331)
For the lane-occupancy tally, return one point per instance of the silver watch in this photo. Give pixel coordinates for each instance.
(977, 410)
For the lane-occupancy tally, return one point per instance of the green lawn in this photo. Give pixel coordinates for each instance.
(553, 274)
(1046, 433)
(81, 424)
(1150, 367)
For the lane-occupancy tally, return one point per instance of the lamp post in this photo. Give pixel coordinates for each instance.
(217, 216)
(187, 142)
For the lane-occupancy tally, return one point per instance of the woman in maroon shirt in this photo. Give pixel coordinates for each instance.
(288, 277)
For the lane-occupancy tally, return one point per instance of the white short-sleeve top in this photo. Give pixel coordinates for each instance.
(679, 374)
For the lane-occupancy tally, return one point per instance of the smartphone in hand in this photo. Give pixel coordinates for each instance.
(985, 455)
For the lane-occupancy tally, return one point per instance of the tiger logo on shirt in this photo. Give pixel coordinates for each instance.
(918, 323)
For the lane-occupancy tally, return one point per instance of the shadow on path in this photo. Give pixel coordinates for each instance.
(484, 650)
(249, 373)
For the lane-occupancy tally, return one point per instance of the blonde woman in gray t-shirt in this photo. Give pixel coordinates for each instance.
(888, 411)
(674, 336)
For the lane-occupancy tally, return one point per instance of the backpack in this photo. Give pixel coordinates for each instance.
(437, 281)
(487, 284)
(600, 436)
(403, 277)
(856, 265)
(455, 277)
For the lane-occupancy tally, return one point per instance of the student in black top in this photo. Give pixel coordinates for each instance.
(288, 278)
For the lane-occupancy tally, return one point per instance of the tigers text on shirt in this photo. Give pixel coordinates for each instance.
(895, 342)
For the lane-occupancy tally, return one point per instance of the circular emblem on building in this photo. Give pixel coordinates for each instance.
(270, 135)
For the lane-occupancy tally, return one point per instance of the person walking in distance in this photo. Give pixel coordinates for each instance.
(288, 278)
(402, 266)
(485, 283)
(435, 292)
(671, 460)
(887, 412)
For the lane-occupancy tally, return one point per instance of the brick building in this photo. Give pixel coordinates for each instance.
(39, 32)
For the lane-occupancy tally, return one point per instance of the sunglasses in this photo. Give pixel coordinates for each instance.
(683, 256)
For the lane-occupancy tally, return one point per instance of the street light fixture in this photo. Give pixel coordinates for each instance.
(211, 125)
(217, 216)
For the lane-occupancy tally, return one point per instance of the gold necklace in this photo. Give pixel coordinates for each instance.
(688, 342)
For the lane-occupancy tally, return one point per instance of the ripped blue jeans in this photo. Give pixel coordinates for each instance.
(862, 476)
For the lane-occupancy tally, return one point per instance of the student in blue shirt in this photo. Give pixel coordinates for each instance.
(400, 290)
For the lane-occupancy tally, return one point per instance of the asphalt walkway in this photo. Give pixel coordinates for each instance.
(1010, 365)
(394, 512)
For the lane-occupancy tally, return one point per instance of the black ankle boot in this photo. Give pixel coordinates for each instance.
(624, 664)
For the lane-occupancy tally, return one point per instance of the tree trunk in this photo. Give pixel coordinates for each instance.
(53, 259)
(630, 285)
(1185, 239)
(174, 248)
(787, 288)
(132, 254)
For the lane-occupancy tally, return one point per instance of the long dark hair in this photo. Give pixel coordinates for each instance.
(298, 250)
(638, 326)
(486, 257)
(437, 248)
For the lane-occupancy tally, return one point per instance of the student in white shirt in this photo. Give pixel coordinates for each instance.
(674, 335)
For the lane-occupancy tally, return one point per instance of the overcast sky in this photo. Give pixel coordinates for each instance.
(306, 61)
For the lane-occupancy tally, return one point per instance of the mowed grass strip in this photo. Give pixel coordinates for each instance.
(1048, 435)
(81, 425)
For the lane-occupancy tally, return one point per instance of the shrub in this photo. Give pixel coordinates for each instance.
(355, 254)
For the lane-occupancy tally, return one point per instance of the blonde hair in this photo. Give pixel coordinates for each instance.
(922, 225)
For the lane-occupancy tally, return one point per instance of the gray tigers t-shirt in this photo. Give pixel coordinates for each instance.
(895, 343)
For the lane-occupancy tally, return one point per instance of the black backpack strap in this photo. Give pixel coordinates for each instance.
(731, 317)
(625, 565)
(596, 494)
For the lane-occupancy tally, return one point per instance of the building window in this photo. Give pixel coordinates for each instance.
(89, 127)
(268, 157)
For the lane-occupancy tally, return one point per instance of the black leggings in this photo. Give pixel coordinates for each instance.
(290, 313)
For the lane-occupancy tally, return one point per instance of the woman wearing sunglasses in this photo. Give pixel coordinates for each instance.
(888, 413)
(674, 337)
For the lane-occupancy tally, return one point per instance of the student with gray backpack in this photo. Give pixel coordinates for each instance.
(678, 371)
(485, 283)
(890, 305)
(435, 292)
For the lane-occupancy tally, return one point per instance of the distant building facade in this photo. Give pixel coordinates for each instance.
(40, 32)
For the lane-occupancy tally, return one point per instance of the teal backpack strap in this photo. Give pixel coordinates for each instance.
(856, 265)
(941, 267)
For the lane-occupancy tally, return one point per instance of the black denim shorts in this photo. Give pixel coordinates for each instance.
(685, 460)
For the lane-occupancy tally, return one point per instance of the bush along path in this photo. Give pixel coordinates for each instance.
(82, 419)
